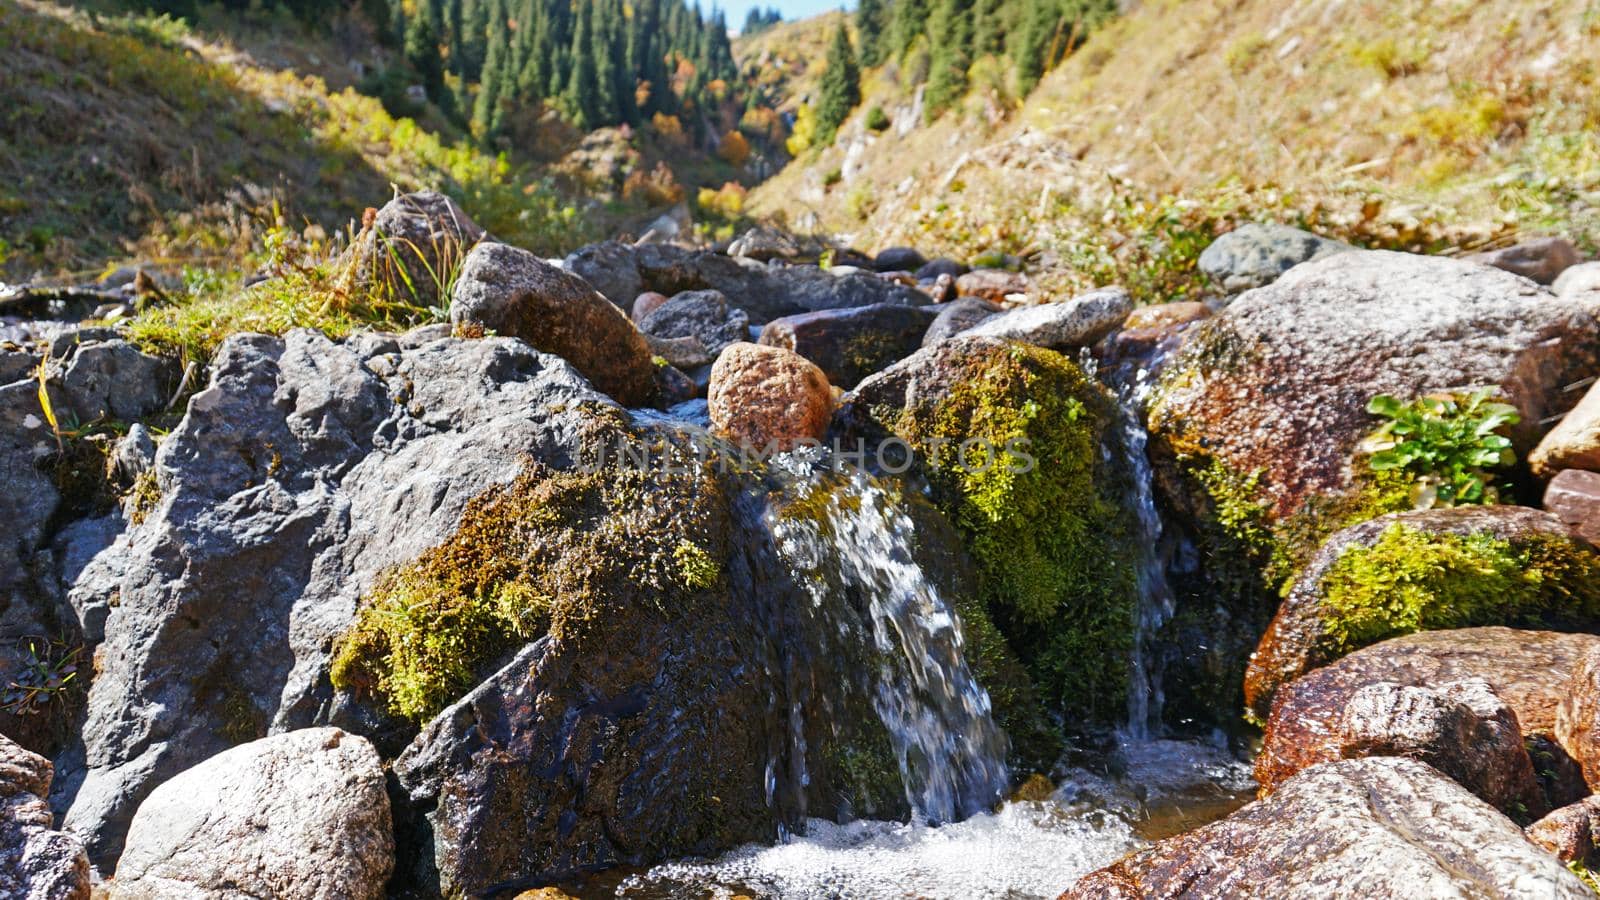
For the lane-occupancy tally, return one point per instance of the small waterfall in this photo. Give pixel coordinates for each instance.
(1156, 604)
(855, 540)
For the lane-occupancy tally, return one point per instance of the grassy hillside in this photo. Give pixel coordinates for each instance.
(1429, 125)
(134, 135)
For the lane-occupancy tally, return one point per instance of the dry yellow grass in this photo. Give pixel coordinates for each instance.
(1434, 125)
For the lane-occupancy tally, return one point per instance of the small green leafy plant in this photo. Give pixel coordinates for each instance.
(49, 671)
(1451, 445)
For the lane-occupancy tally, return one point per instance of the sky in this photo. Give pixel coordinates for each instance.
(791, 9)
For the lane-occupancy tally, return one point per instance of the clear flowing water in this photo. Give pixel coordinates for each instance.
(1156, 604)
(855, 539)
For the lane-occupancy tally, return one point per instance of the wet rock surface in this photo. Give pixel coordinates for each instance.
(1381, 827)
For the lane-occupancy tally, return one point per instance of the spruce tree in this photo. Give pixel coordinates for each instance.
(872, 19)
(841, 86)
(908, 22)
(422, 54)
(951, 42)
(583, 85)
(1032, 48)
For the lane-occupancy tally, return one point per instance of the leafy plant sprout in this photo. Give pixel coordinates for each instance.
(1451, 445)
(50, 670)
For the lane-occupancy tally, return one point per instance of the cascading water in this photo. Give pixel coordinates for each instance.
(1156, 604)
(950, 752)
(846, 542)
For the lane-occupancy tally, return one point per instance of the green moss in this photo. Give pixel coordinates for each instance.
(1051, 541)
(539, 555)
(143, 497)
(696, 569)
(1411, 580)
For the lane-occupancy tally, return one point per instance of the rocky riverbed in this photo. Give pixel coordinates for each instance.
(662, 571)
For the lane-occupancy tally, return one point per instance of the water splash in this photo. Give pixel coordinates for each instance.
(855, 541)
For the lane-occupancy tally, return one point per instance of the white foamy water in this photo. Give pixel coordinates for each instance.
(1026, 850)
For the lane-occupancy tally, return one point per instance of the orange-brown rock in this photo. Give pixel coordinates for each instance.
(1528, 670)
(762, 395)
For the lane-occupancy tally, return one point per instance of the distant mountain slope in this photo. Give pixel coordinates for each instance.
(1406, 122)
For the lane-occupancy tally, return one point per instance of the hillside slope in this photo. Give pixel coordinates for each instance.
(1416, 124)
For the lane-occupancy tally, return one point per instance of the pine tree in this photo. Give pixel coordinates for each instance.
(486, 111)
(951, 41)
(841, 86)
(872, 19)
(583, 86)
(908, 22)
(1040, 22)
(422, 54)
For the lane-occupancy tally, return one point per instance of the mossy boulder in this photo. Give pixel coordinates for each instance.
(653, 677)
(1020, 448)
(1431, 570)
(1257, 420)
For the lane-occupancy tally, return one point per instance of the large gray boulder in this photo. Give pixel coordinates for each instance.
(1278, 383)
(302, 471)
(1254, 255)
(1371, 828)
(300, 816)
(36, 861)
(510, 292)
(1064, 325)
